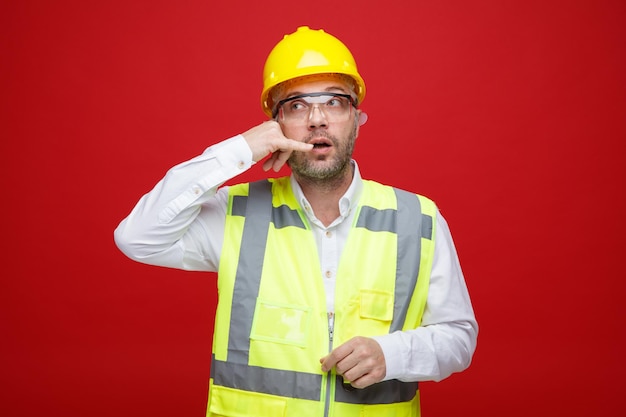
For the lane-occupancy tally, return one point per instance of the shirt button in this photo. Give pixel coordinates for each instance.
(196, 190)
(241, 164)
(329, 234)
(329, 274)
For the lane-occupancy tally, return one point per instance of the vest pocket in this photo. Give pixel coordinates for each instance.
(286, 324)
(377, 305)
(368, 314)
(228, 402)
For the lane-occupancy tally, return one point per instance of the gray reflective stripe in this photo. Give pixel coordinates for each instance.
(386, 392)
(409, 254)
(270, 381)
(377, 220)
(283, 216)
(427, 227)
(248, 276)
(385, 220)
(239, 205)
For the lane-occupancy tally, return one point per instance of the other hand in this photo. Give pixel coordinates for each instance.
(360, 361)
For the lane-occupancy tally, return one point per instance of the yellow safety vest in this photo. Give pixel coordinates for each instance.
(271, 325)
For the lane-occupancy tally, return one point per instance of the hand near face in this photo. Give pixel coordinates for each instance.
(360, 360)
(268, 139)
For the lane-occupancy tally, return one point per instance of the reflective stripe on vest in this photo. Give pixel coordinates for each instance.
(405, 222)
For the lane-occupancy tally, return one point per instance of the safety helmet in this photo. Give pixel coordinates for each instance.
(307, 52)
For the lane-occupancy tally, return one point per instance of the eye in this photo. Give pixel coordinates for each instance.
(297, 105)
(336, 102)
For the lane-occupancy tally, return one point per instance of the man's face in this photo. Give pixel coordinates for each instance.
(333, 140)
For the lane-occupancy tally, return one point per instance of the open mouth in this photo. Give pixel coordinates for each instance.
(321, 143)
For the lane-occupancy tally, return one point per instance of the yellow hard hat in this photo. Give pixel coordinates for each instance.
(307, 52)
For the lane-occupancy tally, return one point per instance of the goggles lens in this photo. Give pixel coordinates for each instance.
(335, 107)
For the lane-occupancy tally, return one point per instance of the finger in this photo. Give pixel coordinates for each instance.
(304, 147)
(279, 160)
(352, 372)
(364, 381)
(300, 146)
(365, 373)
(365, 357)
(328, 362)
(269, 162)
(349, 367)
(284, 144)
(276, 161)
(335, 356)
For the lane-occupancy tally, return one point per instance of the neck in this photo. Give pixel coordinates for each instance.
(324, 194)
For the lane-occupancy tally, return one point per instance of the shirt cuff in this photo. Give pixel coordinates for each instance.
(202, 175)
(394, 355)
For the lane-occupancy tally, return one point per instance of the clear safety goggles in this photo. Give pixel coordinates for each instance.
(298, 109)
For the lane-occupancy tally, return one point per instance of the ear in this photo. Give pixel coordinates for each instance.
(362, 118)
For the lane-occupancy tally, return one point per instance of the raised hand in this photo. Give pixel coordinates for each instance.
(268, 139)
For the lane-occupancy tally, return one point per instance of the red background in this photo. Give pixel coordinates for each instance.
(510, 114)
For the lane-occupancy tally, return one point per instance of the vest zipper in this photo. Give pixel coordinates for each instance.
(331, 331)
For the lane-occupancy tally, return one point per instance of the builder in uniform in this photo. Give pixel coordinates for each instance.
(337, 294)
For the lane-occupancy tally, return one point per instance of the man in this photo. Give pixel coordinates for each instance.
(337, 295)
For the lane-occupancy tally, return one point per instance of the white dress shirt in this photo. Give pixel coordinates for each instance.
(180, 224)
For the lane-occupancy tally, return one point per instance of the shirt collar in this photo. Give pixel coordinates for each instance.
(346, 203)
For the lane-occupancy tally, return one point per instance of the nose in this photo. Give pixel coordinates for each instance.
(317, 118)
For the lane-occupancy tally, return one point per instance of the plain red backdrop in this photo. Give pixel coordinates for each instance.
(510, 114)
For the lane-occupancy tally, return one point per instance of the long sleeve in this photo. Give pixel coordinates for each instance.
(180, 222)
(446, 341)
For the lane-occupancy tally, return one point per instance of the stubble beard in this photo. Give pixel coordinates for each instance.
(334, 172)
